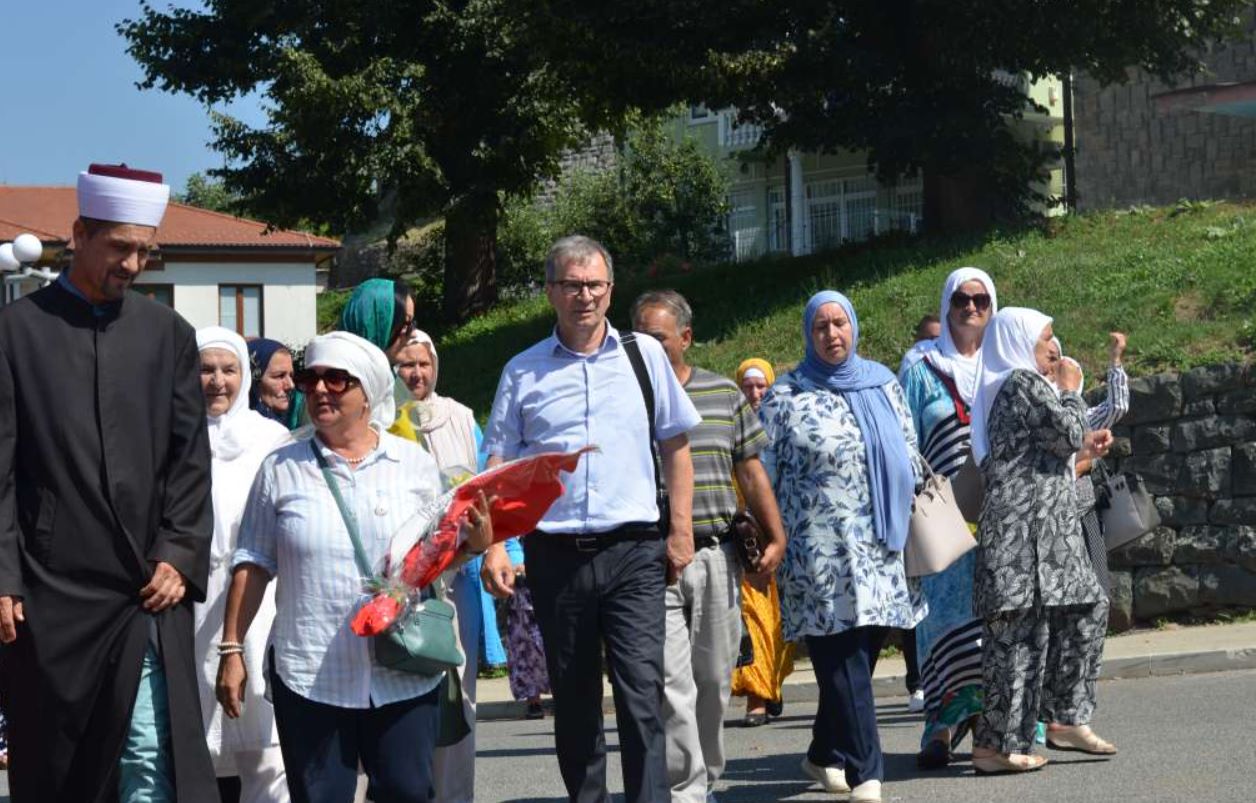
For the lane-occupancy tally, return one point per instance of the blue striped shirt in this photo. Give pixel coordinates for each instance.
(551, 399)
(293, 529)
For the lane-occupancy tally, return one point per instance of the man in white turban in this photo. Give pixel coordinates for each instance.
(105, 519)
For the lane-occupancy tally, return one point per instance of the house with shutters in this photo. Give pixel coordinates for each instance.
(212, 268)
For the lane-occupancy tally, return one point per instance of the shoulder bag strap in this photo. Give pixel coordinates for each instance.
(351, 521)
(629, 342)
(961, 407)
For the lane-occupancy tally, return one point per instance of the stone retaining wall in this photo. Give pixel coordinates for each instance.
(1192, 438)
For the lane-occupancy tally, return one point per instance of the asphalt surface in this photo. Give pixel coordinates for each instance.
(1182, 738)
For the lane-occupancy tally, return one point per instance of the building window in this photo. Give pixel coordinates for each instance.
(163, 293)
(700, 114)
(240, 308)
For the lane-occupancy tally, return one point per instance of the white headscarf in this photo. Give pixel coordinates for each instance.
(1008, 345)
(365, 362)
(239, 429)
(448, 427)
(945, 357)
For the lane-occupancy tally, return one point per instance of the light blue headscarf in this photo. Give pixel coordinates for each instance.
(862, 382)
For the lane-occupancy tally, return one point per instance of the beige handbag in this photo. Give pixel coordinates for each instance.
(938, 535)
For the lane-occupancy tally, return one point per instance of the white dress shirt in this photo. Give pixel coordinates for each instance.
(293, 530)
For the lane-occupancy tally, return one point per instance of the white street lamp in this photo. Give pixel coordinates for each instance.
(8, 261)
(27, 248)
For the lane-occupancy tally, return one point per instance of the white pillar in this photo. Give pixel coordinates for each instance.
(799, 216)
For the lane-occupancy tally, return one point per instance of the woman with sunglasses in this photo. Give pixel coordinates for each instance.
(334, 706)
(246, 752)
(940, 387)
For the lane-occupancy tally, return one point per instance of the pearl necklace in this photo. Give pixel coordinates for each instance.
(353, 461)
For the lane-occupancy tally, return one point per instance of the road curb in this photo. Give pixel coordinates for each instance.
(801, 686)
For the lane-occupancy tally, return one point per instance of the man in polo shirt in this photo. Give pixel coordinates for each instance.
(598, 564)
(704, 608)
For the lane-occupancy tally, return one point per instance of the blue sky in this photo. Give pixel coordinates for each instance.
(68, 98)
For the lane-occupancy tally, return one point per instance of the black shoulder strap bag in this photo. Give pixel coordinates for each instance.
(629, 342)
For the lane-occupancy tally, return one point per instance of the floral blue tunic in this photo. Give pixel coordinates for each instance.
(835, 575)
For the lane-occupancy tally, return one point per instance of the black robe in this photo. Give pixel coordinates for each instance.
(104, 470)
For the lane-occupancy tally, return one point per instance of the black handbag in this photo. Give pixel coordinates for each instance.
(749, 540)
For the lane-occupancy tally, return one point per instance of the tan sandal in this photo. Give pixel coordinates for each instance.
(1079, 739)
(1004, 764)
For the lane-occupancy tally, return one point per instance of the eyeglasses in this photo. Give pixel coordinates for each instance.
(980, 300)
(572, 288)
(335, 380)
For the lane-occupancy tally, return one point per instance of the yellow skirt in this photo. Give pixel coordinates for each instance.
(773, 656)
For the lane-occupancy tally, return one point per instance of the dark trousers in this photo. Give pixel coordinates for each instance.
(909, 658)
(611, 597)
(323, 744)
(845, 729)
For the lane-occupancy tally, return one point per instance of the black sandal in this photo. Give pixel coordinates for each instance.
(754, 720)
(935, 756)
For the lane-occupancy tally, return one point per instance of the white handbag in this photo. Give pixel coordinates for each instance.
(938, 535)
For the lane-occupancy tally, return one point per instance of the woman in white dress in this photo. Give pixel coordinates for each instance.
(245, 750)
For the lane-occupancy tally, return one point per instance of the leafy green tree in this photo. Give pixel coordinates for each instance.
(666, 201)
(918, 84)
(379, 110)
(209, 193)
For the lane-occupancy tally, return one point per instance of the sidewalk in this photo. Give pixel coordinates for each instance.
(1139, 654)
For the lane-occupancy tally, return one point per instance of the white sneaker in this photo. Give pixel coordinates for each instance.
(916, 703)
(833, 779)
(866, 792)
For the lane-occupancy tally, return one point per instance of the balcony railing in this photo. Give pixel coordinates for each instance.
(737, 137)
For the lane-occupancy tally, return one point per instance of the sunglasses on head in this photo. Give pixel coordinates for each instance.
(980, 300)
(336, 380)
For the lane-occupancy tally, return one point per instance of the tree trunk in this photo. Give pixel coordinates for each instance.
(955, 203)
(470, 256)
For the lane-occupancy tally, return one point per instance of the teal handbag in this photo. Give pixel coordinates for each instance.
(423, 641)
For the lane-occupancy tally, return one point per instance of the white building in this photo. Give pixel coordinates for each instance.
(211, 267)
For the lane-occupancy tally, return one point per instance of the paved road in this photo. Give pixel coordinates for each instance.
(1182, 738)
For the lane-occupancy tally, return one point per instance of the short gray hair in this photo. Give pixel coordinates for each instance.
(578, 249)
(669, 300)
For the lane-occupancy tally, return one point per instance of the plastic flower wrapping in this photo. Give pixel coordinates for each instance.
(423, 547)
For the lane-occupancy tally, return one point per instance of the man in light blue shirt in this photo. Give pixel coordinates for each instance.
(598, 562)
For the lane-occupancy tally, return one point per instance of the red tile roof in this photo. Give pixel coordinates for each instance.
(49, 213)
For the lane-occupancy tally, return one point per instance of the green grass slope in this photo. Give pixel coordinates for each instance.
(1180, 281)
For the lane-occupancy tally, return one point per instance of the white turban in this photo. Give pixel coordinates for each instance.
(1008, 345)
(365, 362)
(119, 194)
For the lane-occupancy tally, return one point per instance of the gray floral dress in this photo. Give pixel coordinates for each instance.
(1032, 552)
(835, 575)
(1045, 614)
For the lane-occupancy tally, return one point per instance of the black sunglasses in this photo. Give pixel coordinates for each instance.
(980, 300)
(336, 380)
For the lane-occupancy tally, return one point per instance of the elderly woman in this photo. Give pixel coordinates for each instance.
(1034, 585)
(842, 454)
(940, 385)
(335, 707)
(760, 681)
(272, 393)
(245, 750)
(449, 432)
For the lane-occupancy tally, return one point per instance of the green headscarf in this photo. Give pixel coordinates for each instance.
(369, 312)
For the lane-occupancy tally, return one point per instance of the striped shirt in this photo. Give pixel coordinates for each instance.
(293, 529)
(1115, 405)
(730, 432)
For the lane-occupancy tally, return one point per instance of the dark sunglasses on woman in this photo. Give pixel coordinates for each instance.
(980, 300)
(336, 380)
